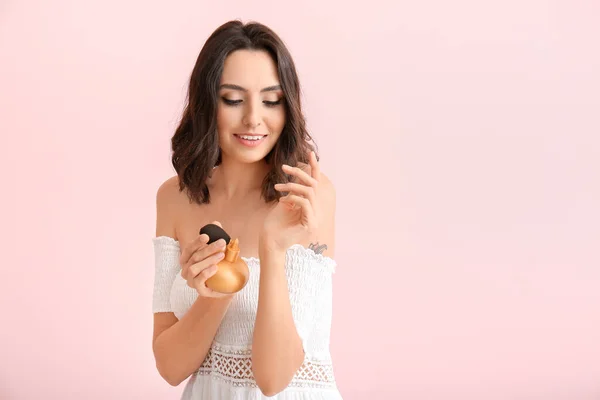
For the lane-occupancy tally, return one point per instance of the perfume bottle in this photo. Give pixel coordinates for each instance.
(232, 271)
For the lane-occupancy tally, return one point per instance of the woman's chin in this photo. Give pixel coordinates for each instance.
(247, 157)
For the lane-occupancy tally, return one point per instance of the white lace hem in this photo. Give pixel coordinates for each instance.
(234, 367)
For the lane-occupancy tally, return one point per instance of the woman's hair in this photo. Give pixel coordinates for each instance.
(195, 144)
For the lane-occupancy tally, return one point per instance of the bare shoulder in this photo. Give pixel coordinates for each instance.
(169, 189)
(168, 201)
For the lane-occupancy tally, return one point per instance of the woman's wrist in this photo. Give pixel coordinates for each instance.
(266, 243)
(269, 251)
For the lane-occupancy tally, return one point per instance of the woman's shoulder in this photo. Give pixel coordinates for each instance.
(168, 191)
(168, 202)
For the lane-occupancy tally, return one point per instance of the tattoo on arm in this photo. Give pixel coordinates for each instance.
(318, 249)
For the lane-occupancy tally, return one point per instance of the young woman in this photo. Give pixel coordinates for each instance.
(244, 161)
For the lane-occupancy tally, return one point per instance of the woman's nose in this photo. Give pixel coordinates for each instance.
(252, 117)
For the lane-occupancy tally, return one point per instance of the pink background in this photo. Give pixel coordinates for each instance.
(463, 138)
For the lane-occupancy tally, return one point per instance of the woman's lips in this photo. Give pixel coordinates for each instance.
(250, 140)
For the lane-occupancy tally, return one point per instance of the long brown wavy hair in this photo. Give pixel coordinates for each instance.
(195, 144)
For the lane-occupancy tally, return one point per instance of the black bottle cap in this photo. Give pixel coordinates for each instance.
(215, 232)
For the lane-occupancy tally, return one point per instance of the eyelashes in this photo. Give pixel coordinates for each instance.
(272, 103)
(231, 102)
(234, 103)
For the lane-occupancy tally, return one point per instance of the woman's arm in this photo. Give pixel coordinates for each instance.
(277, 348)
(277, 351)
(180, 346)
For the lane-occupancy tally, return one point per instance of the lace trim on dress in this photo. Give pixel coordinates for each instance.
(235, 368)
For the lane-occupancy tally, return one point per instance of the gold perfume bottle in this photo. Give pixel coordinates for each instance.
(232, 271)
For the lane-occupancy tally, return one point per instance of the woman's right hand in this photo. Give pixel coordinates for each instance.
(199, 262)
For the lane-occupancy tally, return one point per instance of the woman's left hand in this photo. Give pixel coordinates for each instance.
(294, 219)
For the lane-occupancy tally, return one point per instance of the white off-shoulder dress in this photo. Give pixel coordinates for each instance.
(226, 373)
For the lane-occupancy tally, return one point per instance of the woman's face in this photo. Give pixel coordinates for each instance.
(250, 112)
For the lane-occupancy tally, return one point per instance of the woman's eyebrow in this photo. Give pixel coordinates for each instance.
(242, 89)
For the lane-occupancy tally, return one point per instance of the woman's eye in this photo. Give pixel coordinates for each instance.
(231, 102)
(272, 103)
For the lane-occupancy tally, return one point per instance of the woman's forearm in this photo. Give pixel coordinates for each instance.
(181, 349)
(277, 351)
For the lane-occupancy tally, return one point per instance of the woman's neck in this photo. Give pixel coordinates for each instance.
(233, 179)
